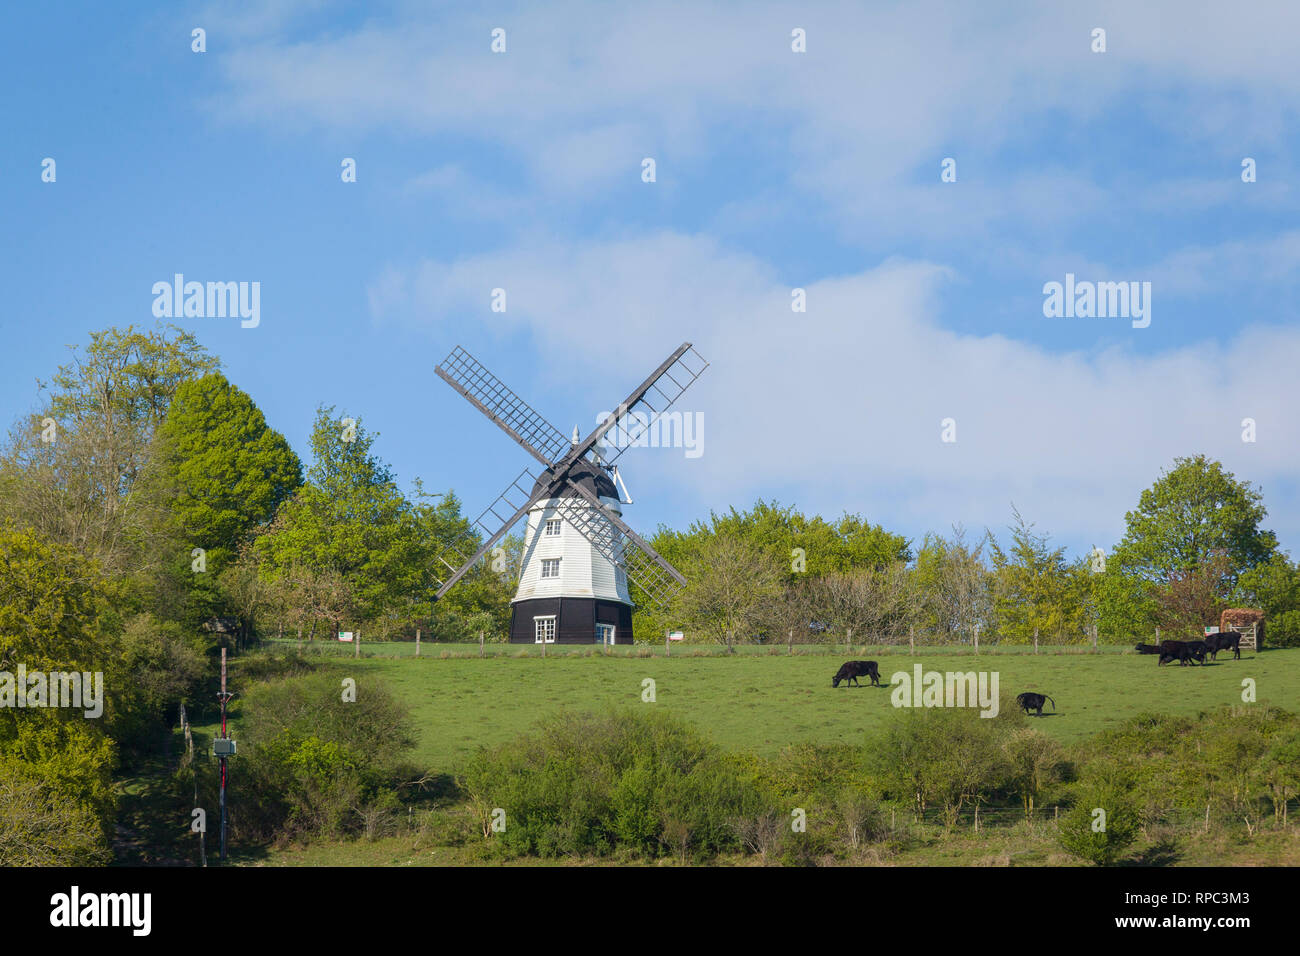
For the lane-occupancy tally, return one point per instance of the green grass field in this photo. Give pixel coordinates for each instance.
(766, 702)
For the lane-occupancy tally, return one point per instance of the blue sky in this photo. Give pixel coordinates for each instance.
(774, 170)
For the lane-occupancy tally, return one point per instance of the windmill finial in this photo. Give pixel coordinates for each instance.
(575, 438)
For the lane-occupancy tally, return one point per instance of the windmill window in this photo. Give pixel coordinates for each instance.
(553, 528)
(550, 567)
(544, 629)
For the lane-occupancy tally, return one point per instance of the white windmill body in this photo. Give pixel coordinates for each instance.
(568, 590)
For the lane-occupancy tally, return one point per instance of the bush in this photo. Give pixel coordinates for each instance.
(951, 757)
(632, 782)
(311, 764)
(1100, 838)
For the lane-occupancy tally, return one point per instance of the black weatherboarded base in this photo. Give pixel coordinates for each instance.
(575, 619)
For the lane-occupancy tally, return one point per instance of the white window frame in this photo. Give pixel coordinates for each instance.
(552, 523)
(539, 629)
(554, 562)
(613, 632)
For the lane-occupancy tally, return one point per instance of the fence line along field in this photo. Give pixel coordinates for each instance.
(765, 702)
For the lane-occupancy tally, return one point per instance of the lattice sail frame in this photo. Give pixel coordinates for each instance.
(632, 422)
(511, 413)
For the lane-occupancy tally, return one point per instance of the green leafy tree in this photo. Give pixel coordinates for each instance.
(349, 544)
(1035, 589)
(1194, 511)
(219, 472)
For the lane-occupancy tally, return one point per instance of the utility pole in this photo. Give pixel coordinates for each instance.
(223, 747)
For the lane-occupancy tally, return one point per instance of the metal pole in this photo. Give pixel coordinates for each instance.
(224, 697)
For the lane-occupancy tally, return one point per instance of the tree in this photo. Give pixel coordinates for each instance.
(869, 601)
(73, 477)
(1192, 513)
(1035, 590)
(954, 585)
(218, 473)
(348, 542)
(731, 583)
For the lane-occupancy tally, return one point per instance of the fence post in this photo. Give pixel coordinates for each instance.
(789, 642)
(668, 651)
(417, 642)
(1094, 637)
(977, 638)
(911, 639)
(1035, 640)
(356, 645)
(480, 643)
(299, 638)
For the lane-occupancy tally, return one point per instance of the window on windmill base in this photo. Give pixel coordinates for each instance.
(553, 528)
(550, 567)
(544, 630)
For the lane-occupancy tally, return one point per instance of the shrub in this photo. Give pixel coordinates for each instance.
(632, 782)
(951, 757)
(1100, 838)
(311, 764)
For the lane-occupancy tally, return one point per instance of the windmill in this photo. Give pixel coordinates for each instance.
(579, 554)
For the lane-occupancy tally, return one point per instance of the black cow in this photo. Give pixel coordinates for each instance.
(1031, 701)
(852, 670)
(1227, 640)
(1182, 651)
(1147, 648)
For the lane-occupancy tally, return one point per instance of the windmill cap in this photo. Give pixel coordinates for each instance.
(590, 476)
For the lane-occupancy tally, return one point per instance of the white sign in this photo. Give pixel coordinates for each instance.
(345, 635)
(1211, 629)
(676, 636)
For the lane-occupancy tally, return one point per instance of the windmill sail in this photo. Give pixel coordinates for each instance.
(640, 411)
(511, 413)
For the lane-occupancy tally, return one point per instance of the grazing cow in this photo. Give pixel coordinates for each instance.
(852, 670)
(1147, 648)
(1031, 701)
(1226, 640)
(1182, 651)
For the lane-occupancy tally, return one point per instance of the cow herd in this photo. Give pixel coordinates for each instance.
(1187, 652)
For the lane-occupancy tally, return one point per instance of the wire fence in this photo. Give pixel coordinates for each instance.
(444, 650)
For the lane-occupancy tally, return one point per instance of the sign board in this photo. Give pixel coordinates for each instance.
(345, 635)
(676, 636)
(1211, 629)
